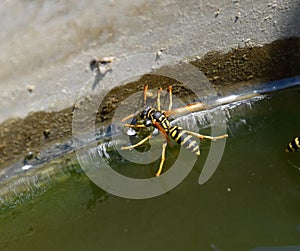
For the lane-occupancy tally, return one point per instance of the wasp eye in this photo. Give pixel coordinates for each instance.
(148, 122)
(143, 114)
(133, 121)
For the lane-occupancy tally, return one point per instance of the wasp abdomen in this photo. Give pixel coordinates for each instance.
(294, 145)
(180, 135)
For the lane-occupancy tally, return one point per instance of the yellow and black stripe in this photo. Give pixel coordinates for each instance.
(157, 116)
(179, 135)
(294, 145)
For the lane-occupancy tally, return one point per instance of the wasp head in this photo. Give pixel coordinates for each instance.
(144, 112)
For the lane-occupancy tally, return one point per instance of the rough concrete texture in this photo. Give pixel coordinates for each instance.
(46, 46)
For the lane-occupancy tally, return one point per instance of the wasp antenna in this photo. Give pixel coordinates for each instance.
(171, 98)
(158, 98)
(145, 94)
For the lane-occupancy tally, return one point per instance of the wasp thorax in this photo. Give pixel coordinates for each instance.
(157, 115)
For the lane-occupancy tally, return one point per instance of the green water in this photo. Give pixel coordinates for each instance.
(252, 200)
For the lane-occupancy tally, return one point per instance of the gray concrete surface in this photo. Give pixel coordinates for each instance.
(46, 46)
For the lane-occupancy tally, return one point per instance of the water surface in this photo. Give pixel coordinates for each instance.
(251, 201)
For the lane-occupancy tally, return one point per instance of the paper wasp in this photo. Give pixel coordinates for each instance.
(294, 145)
(159, 119)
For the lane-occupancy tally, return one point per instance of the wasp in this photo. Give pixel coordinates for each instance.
(159, 119)
(294, 145)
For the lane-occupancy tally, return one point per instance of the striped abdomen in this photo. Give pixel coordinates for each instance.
(180, 135)
(294, 145)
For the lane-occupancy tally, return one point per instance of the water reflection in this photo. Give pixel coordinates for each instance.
(98, 196)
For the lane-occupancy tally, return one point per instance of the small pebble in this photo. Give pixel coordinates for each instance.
(30, 88)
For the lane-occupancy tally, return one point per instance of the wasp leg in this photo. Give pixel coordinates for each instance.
(129, 117)
(163, 158)
(171, 98)
(135, 126)
(199, 106)
(158, 98)
(200, 136)
(137, 144)
(145, 94)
